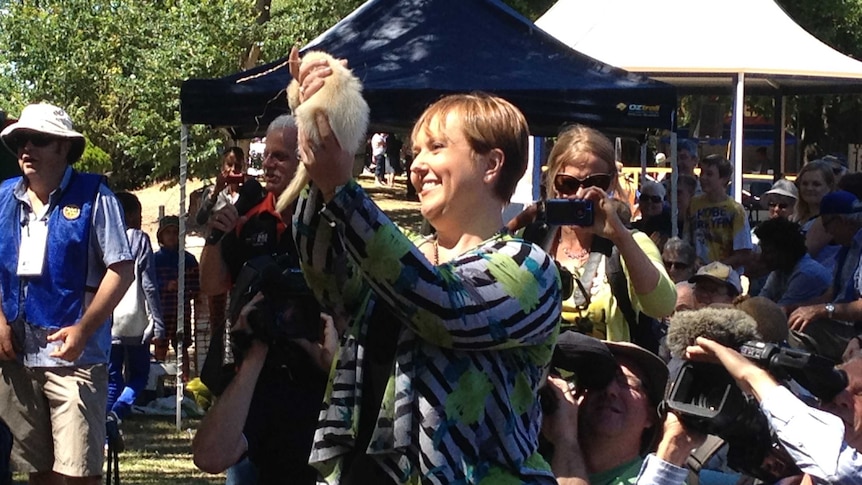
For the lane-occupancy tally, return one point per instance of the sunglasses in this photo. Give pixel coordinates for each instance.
(566, 184)
(655, 199)
(675, 265)
(780, 205)
(39, 140)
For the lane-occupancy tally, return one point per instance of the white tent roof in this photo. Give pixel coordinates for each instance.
(701, 44)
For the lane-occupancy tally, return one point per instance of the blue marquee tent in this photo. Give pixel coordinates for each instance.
(410, 52)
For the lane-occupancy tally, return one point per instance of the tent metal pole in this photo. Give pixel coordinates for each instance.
(674, 179)
(783, 130)
(777, 138)
(736, 136)
(181, 271)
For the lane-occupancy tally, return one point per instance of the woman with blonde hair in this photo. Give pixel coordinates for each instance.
(815, 180)
(581, 166)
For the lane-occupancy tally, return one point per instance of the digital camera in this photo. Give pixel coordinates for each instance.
(569, 212)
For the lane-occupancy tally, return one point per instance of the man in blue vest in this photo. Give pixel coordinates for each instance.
(64, 264)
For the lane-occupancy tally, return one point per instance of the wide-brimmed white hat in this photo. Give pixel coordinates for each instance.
(783, 187)
(49, 119)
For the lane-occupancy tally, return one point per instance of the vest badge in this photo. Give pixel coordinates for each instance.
(71, 212)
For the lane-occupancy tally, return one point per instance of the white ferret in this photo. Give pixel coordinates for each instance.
(341, 100)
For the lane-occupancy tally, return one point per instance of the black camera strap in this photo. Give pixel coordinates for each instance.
(698, 458)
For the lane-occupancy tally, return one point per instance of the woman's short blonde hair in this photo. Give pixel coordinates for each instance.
(574, 144)
(488, 122)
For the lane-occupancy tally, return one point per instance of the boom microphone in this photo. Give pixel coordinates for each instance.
(250, 194)
(727, 326)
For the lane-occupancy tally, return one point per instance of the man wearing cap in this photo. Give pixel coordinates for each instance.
(603, 436)
(829, 323)
(781, 199)
(65, 265)
(655, 217)
(715, 283)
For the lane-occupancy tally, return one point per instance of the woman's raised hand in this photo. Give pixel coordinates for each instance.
(607, 222)
(309, 75)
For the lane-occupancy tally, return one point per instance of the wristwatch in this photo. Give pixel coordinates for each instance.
(830, 310)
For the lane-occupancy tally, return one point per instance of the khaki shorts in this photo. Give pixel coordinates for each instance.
(57, 417)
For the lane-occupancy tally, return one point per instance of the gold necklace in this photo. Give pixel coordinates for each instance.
(436, 253)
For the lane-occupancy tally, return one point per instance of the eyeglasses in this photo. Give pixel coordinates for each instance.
(655, 199)
(566, 184)
(39, 140)
(780, 205)
(676, 265)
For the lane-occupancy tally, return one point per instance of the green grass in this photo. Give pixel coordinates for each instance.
(156, 453)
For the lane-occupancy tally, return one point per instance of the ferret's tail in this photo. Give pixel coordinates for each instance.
(291, 193)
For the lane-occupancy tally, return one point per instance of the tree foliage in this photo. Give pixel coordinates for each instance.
(117, 65)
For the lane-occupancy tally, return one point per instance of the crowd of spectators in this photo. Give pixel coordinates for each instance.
(438, 358)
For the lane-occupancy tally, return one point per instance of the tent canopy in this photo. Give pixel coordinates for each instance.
(699, 46)
(410, 52)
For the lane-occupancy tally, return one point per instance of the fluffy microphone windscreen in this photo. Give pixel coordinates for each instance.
(727, 326)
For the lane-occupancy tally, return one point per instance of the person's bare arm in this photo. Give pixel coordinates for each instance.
(113, 286)
(748, 376)
(677, 442)
(212, 271)
(561, 429)
(7, 351)
(219, 441)
(817, 238)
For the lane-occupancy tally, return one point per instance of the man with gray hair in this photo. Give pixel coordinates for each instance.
(65, 264)
(268, 412)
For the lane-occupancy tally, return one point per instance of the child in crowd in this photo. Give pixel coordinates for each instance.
(137, 318)
(167, 260)
(717, 225)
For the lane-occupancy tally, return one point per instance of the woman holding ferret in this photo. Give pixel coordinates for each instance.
(449, 335)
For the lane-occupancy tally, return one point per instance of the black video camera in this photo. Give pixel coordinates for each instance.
(707, 400)
(568, 212)
(288, 309)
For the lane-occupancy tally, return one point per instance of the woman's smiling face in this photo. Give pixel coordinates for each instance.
(812, 187)
(446, 172)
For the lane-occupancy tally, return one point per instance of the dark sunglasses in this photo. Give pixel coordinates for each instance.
(780, 205)
(675, 265)
(19, 140)
(651, 198)
(566, 184)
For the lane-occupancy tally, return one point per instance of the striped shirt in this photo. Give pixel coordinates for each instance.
(476, 338)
